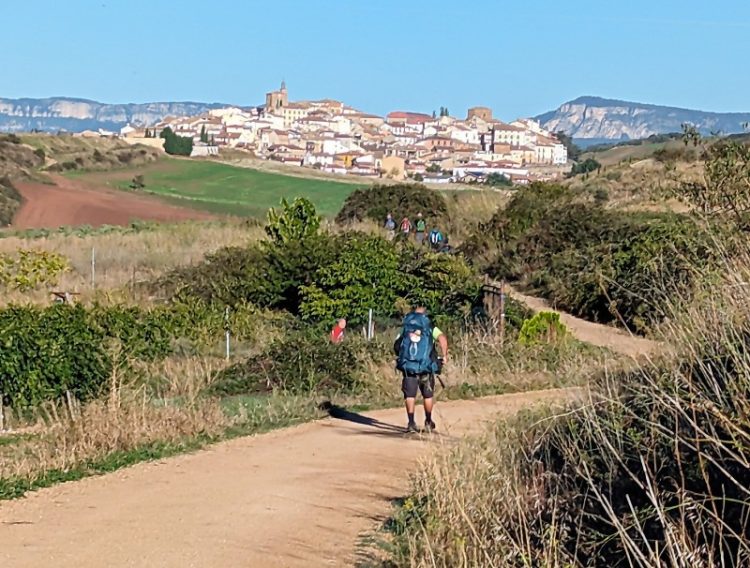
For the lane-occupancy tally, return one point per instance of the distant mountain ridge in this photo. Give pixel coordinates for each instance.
(76, 115)
(611, 119)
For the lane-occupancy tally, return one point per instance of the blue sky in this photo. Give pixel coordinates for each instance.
(520, 57)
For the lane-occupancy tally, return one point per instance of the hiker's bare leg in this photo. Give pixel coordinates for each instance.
(411, 403)
(428, 404)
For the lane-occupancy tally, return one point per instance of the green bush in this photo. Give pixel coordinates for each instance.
(322, 277)
(45, 352)
(48, 351)
(174, 144)
(401, 200)
(300, 362)
(584, 167)
(29, 269)
(598, 263)
(544, 327)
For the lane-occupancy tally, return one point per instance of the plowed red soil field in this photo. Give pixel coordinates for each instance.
(72, 202)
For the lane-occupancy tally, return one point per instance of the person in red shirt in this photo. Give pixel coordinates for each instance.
(337, 333)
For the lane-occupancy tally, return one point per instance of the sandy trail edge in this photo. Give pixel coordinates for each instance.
(294, 497)
(612, 338)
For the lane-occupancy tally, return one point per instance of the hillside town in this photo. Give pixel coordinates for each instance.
(332, 137)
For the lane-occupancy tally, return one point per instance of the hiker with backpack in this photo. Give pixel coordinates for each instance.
(421, 227)
(436, 239)
(418, 362)
(406, 227)
(390, 226)
(337, 333)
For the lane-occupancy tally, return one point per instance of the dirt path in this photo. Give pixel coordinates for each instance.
(295, 497)
(601, 335)
(75, 202)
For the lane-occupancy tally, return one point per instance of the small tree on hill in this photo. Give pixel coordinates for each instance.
(294, 222)
(725, 189)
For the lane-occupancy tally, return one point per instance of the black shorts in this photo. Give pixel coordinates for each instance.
(425, 383)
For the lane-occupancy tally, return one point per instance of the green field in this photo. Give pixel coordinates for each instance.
(224, 189)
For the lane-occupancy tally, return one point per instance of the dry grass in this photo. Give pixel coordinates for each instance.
(123, 258)
(170, 409)
(127, 418)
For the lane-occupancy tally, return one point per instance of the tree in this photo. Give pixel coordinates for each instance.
(433, 169)
(574, 152)
(725, 189)
(433, 114)
(584, 167)
(176, 145)
(204, 135)
(294, 222)
(690, 135)
(498, 180)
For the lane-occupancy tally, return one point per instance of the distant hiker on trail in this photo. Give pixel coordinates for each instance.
(337, 333)
(421, 228)
(390, 226)
(405, 227)
(417, 360)
(436, 239)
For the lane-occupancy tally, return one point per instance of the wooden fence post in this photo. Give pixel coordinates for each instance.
(502, 312)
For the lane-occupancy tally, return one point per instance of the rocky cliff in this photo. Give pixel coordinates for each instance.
(593, 117)
(76, 115)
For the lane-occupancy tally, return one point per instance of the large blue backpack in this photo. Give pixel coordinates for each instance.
(415, 352)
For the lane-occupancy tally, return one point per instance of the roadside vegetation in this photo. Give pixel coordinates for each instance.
(650, 466)
(136, 368)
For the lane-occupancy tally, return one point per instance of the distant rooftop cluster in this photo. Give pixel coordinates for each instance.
(331, 136)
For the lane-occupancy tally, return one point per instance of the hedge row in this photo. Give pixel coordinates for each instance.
(46, 351)
(597, 263)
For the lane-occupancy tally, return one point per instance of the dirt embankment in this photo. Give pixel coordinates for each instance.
(72, 202)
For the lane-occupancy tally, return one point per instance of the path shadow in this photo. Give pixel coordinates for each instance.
(341, 413)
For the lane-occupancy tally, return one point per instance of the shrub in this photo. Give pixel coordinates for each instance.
(544, 327)
(601, 195)
(401, 200)
(601, 264)
(10, 201)
(294, 222)
(45, 352)
(584, 167)
(649, 471)
(29, 269)
(322, 276)
(299, 362)
(48, 351)
(174, 144)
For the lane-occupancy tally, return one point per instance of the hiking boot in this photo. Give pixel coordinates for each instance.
(429, 425)
(411, 428)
